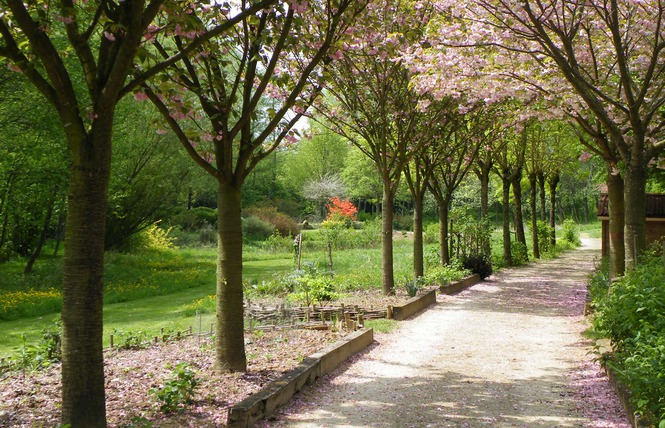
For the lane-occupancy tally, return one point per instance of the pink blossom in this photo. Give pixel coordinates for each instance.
(109, 36)
(65, 19)
(140, 96)
(585, 156)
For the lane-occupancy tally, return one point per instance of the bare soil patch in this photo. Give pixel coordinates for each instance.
(32, 399)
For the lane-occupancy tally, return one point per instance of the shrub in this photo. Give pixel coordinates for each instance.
(205, 215)
(544, 232)
(282, 222)
(480, 264)
(341, 210)
(431, 234)
(571, 232)
(177, 390)
(631, 315)
(153, 237)
(519, 253)
(207, 235)
(403, 222)
(255, 229)
(442, 275)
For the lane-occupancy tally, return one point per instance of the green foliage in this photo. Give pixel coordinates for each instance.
(310, 286)
(153, 237)
(599, 282)
(194, 219)
(442, 275)
(285, 225)
(544, 232)
(204, 305)
(131, 339)
(278, 243)
(431, 233)
(177, 390)
(631, 315)
(480, 264)
(519, 253)
(403, 222)
(571, 233)
(255, 229)
(413, 286)
(46, 351)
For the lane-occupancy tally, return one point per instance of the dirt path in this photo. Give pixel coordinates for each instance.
(507, 352)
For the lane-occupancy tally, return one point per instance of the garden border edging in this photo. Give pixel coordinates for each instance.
(624, 394)
(462, 284)
(263, 403)
(412, 306)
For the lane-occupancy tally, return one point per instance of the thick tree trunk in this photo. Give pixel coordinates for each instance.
(519, 220)
(505, 200)
(534, 215)
(444, 253)
(387, 276)
(553, 182)
(230, 339)
(635, 209)
(418, 250)
(615, 200)
(83, 400)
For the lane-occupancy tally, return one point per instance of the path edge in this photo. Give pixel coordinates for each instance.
(278, 392)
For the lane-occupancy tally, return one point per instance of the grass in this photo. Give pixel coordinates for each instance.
(178, 278)
(151, 290)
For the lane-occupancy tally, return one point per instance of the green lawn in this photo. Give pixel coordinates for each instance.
(183, 276)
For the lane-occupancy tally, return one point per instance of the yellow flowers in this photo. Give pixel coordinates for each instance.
(14, 304)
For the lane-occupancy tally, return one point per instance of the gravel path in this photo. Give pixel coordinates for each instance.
(507, 352)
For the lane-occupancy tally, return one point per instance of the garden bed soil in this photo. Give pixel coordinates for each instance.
(33, 398)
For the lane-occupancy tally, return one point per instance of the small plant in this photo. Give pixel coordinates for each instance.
(177, 390)
(413, 286)
(132, 340)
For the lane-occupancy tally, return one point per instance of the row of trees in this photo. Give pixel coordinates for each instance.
(428, 91)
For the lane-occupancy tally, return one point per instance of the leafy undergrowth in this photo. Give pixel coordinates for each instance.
(33, 398)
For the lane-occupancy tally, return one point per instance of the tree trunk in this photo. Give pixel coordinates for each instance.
(541, 187)
(444, 254)
(484, 177)
(83, 400)
(387, 210)
(553, 182)
(519, 221)
(42, 237)
(635, 213)
(534, 216)
(418, 250)
(230, 339)
(505, 200)
(615, 202)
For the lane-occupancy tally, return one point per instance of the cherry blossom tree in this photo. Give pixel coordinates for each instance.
(53, 44)
(371, 103)
(211, 101)
(603, 57)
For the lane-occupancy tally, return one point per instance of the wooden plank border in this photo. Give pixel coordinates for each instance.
(263, 403)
